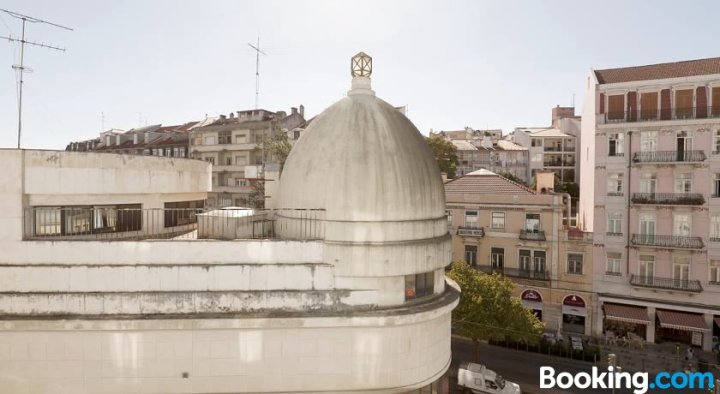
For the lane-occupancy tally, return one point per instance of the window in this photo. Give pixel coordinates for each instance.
(647, 225)
(537, 157)
(498, 220)
(575, 263)
(615, 144)
(419, 285)
(497, 258)
(532, 222)
(681, 270)
(471, 219)
(715, 228)
(182, 212)
(715, 102)
(683, 183)
(716, 186)
(612, 263)
(716, 141)
(240, 138)
(209, 140)
(539, 261)
(648, 106)
(78, 220)
(683, 103)
(615, 184)
(714, 272)
(648, 183)
(210, 160)
(646, 268)
(682, 225)
(224, 138)
(525, 260)
(471, 254)
(614, 226)
(449, 214)
(616, 107)
(240, 160)
(228, 161)
(536, 142)
(648, 141)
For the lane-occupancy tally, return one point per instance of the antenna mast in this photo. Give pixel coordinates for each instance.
(21, 67)
(257, 69)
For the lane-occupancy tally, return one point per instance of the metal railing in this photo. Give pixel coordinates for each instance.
(532, 235)
(669, 156)
(109, 224)
(514, 272)
(654, 114)
(667, 241)
(471, 231)
(666, 283)
(668, 198)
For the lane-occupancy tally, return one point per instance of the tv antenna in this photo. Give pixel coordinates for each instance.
(257, 69)
(21, 68)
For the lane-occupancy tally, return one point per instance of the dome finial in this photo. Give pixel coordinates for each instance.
(361, 65)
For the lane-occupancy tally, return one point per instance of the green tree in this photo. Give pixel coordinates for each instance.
(277, 147)
(445, 154)
(487, 309)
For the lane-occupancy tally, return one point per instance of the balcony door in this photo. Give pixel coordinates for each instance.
(681, 271)
(682, 225)
(647, 227)
(497, 259)
(646, 269)
(532, 222)
(683, 144)
(648, 183)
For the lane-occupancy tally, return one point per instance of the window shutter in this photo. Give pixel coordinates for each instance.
(602, 103)
(701, 104)
(632, 106)
(665, 111)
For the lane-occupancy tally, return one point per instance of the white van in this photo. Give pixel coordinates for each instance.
(476, 378)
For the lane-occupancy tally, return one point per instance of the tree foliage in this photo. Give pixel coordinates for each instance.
(487, 309)
(277, 147)
(445, 155)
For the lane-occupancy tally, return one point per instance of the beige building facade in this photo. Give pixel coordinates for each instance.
(501, 226)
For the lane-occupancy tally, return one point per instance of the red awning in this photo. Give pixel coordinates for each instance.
(682, 321)
(626, 313)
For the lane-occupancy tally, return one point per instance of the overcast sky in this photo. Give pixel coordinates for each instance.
(482, 64)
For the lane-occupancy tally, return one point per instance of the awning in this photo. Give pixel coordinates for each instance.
(682, 321)
(626, 313)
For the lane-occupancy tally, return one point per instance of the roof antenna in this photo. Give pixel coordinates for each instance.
(21, 69)
(257, 69)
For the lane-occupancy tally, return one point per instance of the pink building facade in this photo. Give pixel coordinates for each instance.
(650, 192)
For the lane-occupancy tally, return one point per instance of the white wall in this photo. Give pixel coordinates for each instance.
(586, 157)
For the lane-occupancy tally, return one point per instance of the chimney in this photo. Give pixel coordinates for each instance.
(562, 112)
(302, 110)
(293, 111)
(223, 117)
(231, 116)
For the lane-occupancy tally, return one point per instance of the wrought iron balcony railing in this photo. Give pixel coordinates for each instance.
(471, 231)
(666, 283)
(667, 241)
(654, 114)
(668, 198)
(532, 235)
(514, 272)
(669, 156)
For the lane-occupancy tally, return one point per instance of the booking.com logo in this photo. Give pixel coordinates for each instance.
(639, 382)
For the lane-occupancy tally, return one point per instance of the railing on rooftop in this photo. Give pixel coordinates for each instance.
(666, 283)
(118, 224)
(654, 114)
(667, 241)
(669, 156)
(668, 198)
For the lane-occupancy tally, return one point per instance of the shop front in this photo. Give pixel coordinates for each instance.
(625, 320)
(683, 327)
(532, 299)
(574, 314)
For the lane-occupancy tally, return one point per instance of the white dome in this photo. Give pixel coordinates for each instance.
(363, 160)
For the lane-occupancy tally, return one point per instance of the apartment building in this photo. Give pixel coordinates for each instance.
(233, 144)
(486, 149)
(553, 148)
(650, 184)
(498, 225)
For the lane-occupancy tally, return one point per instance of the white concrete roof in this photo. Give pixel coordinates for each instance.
(481, 171)
(463, 145)
(509, 145)
(546, 132)
(362, 160)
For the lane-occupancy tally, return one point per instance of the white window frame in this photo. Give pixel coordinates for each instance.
(474, 222)
(614, 223)
(613, 261)
(573, 264)
(648, 141)
(500, 216)
(615, 183)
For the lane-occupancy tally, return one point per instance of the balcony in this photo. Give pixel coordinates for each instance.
(532, 235)
(667, 241)
(652, 115)
(668, 198)
(514, 272)
(471, 231)
(666, 283)
(669, 156)
(566, 148)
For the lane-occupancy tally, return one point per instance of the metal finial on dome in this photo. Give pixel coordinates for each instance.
(361, 65)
